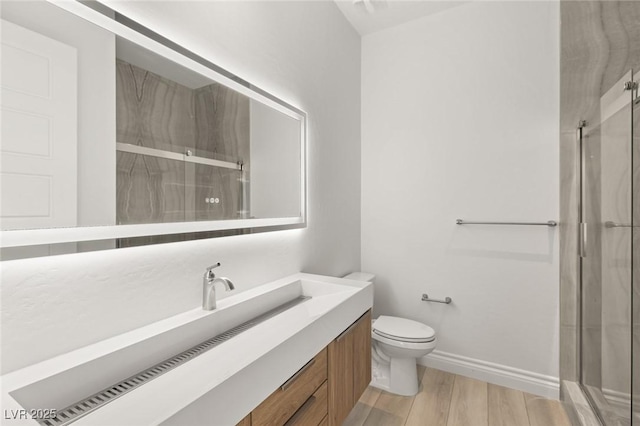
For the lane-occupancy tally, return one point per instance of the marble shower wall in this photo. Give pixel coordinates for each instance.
(155, 112)
(600, 42)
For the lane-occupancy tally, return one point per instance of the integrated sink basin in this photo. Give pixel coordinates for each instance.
(246, 348)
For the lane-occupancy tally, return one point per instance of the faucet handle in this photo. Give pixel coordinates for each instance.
(213, 266)
(209, 272)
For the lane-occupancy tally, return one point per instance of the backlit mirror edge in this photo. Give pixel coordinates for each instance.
(158, 44)
(33, 237)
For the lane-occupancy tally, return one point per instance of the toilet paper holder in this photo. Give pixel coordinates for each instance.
(425, 298)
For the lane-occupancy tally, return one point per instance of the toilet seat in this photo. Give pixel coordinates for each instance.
(402, 330)
(418, 346)
(403, 339)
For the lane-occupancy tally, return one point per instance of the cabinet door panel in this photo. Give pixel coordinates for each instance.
(340, 378)
(361, 356)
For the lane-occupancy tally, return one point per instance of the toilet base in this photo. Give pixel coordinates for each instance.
(400, 376)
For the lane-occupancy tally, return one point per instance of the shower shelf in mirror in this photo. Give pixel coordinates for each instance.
(187, 157)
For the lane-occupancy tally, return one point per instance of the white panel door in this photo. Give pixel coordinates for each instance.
(38, 170)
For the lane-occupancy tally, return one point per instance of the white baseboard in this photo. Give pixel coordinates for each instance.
(515, 378)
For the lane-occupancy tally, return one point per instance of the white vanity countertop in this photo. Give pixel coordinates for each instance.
(224, 384)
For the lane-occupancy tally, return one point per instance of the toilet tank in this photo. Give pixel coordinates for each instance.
(360, 276)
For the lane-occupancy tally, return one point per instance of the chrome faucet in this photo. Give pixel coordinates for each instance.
(208, 287)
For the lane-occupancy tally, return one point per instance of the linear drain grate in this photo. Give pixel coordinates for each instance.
(97, 400)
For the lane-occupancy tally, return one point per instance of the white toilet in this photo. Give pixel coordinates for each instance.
(396, 344)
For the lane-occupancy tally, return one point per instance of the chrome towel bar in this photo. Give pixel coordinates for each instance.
(550, 223)
(425, 298)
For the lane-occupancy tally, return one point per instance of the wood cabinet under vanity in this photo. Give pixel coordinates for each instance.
(326, 388)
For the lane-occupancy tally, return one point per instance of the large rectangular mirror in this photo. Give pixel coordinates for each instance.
(111, 132)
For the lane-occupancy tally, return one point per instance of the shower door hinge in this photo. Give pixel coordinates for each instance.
(582, 240)
(630, 85)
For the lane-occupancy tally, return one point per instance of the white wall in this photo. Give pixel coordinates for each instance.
(460, 120)
(274, 163)
(305, 53)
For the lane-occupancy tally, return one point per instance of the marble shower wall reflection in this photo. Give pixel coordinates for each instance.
(149, 189)
(211, 122)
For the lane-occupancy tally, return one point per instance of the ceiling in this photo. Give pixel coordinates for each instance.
(369, 16)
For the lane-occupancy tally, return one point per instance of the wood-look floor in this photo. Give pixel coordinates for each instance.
(447, 399)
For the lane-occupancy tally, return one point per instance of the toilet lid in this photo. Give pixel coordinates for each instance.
(403, 329)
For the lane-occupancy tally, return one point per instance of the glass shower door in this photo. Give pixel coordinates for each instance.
(635, 293)
(606, 255)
